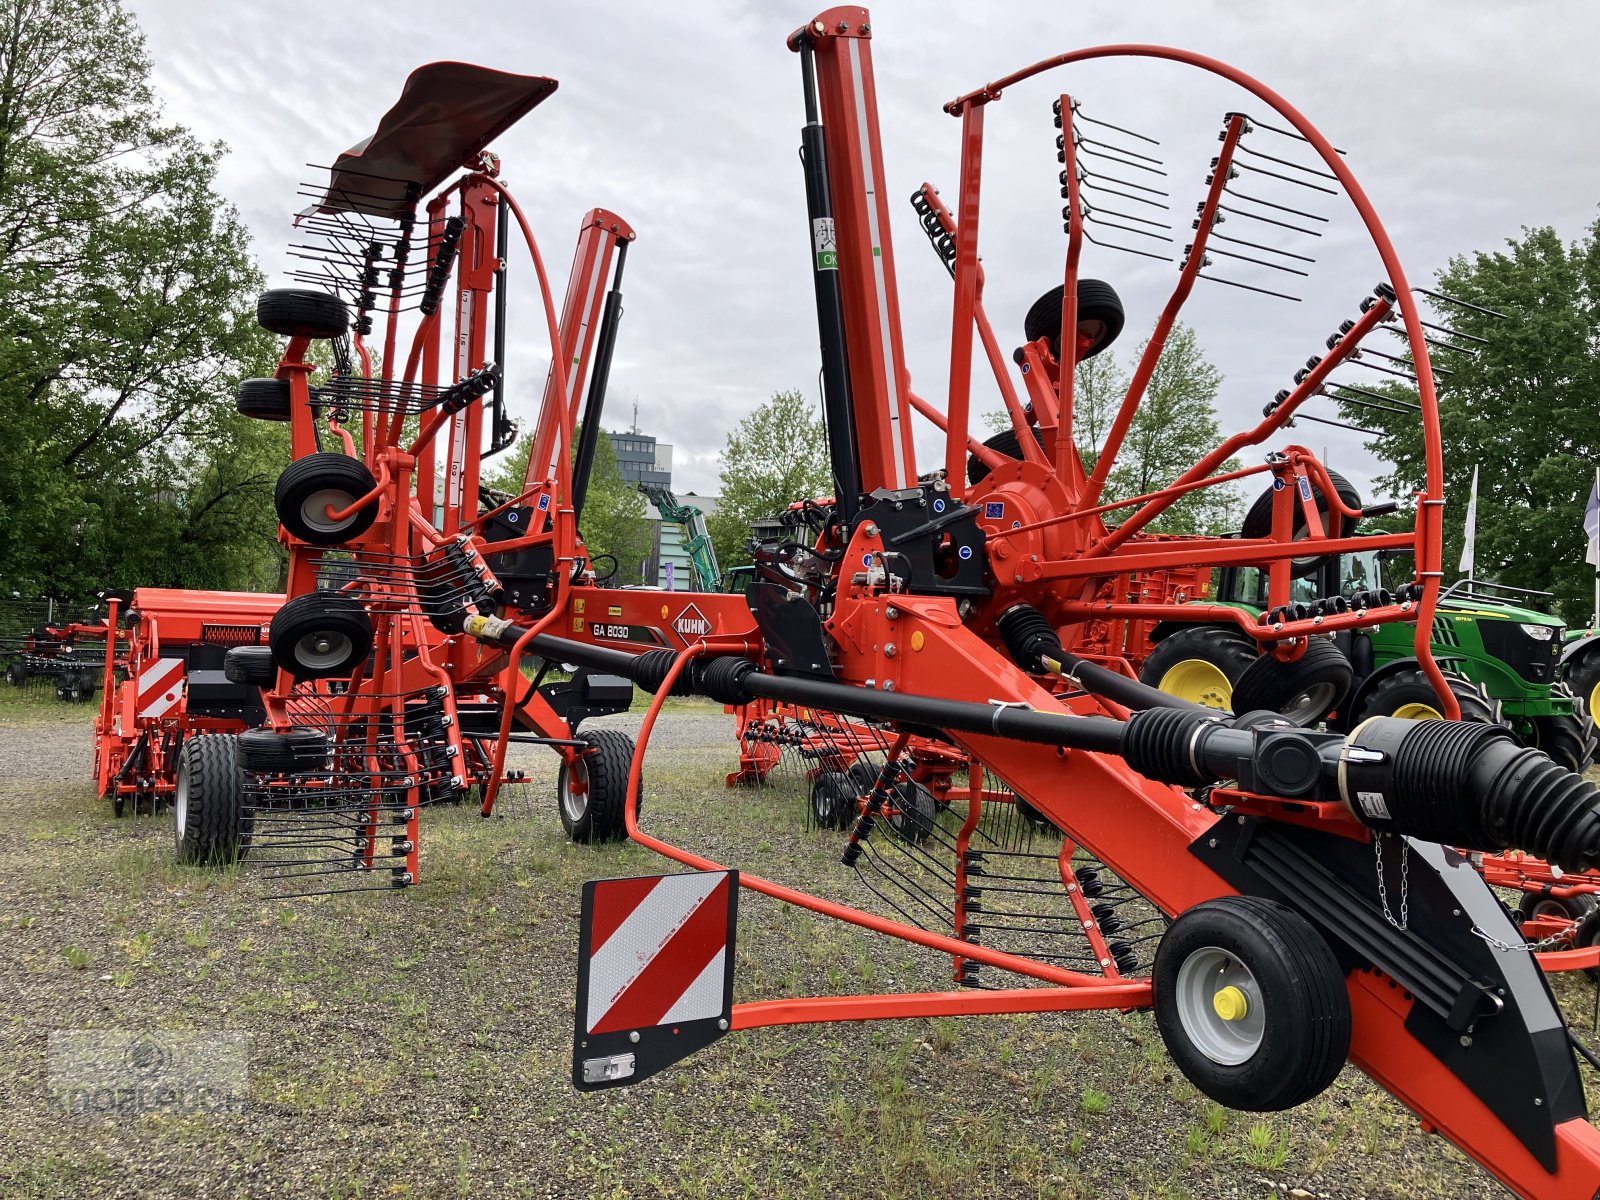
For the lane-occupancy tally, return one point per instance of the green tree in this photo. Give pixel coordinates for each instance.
(774, 457)
(1522, 407)
(1174, 424)
(125, 293)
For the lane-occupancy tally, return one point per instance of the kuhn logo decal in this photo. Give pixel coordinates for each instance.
(691, 623)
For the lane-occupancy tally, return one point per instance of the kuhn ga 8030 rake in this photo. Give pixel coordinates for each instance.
(1310, 912)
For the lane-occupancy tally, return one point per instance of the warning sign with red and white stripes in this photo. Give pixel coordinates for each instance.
(160, 686)
(655, 973)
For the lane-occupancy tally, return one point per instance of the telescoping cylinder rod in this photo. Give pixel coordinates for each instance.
(594, 404)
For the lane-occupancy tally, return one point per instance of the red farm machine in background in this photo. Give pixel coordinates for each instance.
(1281, 897)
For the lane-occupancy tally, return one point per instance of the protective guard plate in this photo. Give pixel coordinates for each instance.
(447, 112)
(655, 973)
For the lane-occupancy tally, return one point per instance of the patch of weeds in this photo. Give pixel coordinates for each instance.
(1094, 1101)
(1264, 1150)
(77, 957)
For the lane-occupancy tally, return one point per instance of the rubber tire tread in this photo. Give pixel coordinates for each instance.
(1314, 983)
(1097, 301)
(608, 765)
(263, 399)
(1568, 740)
(302, 312)
(297, 750)
(314, 473)
(216, 829)
(1258, 521)
(1226, 649)
(1006, 443)
(250, 665)
(1411, 686)
(832, 798)
(1270, 683)
(314, 611)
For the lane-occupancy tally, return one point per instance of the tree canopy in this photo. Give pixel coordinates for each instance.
(775, 456)
(126, 294)
(1523, 406)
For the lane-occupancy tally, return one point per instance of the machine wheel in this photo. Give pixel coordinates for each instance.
(297, 750)
(1409, 694)
(302, 312)
(1303, 691)
(1582, 675)
(251, 665)
(264, 399)
(592, 790)
(312, 485)
(1251, 1003)
(320, 634)
(16, 673)
(1586, 936)
(1569, 908)
(1201, 664)
(833, 799)
(1006, 443)
(1099, 317)
(1258, 521)
(1567, 740)
(76, 691)
(209, 822)
(915, 810)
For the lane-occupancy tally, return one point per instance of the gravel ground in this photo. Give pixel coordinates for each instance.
(418, 1043)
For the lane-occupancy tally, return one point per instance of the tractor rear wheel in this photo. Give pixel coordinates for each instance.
(1408, 694)
(1200, 665)
(317, 484)
(1582, 675)
(1251, 1003)
(1565, 739)
(1303, 691)
(302, 312)
(592, 789)
(209, 821)
(320, 635)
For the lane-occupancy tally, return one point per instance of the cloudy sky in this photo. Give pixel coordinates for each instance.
(1463, 119)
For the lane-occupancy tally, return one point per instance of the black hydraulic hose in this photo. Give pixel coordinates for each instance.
(594, 404)
(500, 427)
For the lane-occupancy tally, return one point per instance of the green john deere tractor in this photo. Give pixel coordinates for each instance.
(1499, 652)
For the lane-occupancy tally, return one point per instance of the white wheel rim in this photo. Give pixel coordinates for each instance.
(323, 650)
(1315, 700)
(180, 803)
(314, 510)
(574, 804)
(1204, 973)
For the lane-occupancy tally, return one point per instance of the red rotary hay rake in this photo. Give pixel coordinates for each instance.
(1282, 895)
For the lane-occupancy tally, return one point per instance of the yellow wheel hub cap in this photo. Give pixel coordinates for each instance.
(1199, 682)
(1594, 701)
(1230, 1004)
(1418, 712)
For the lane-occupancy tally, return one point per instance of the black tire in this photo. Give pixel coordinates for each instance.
(1581, 673)
(862, 775)
(1177, 664)
(1574, 908)
(263, 399)
(1304, 691)
(302, 312)
(250, 665)
(1099, 316)
(1299, 1037)
(596, 815)
(295, 751)
(1586, 936)
(1006, 443)
(1408, 693)
(1258, 521)
(914, 811)
(1567, 740)
(833, 800)
(310, 485)
(210, 823)
(16, 673)
(320, 635)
